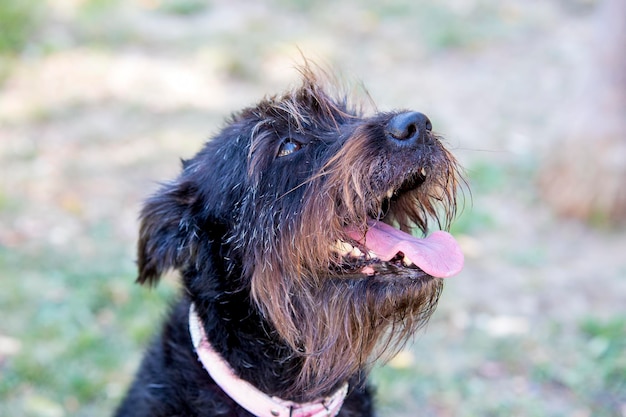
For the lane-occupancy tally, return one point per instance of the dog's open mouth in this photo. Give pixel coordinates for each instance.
(386, 250)
(437, 255)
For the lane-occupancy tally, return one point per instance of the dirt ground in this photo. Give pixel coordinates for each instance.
(104, 104)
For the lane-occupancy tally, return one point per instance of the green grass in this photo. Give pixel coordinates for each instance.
(80, 324)
(488, 178)
(183, 7)
(98, 8)
(476, 374)
(74, 324)
(443, 28)
(482, 178)
(18, 20)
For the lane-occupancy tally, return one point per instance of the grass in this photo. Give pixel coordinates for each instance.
(80, 324)
(581, 372)
(482, 178)
(74, 324)
(98, 8)
(18, 20)
(443, 28)
(550, 369)
(183, 7)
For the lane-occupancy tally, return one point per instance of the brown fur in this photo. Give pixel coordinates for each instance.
(353, 323)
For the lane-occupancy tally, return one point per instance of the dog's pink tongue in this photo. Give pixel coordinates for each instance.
(439, 255)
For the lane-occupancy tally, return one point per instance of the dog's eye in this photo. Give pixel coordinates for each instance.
(288, 147)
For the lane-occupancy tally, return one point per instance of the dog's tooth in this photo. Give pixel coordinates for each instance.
(356, 252)
(390, 193)
(343, 248)
(423, 172)
(406, 261)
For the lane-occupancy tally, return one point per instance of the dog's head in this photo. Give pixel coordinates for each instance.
(308, 205)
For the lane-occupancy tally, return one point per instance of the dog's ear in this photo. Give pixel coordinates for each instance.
(167, 235)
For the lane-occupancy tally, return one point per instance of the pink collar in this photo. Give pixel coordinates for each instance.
(248, 396)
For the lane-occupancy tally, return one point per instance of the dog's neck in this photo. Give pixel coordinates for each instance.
(245, 394)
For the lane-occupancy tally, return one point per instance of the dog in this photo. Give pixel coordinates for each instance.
(291, 230)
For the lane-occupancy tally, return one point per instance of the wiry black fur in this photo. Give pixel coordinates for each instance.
(229, 208)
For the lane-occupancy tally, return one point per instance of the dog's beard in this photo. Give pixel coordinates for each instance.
(341, 325)
(337, 314)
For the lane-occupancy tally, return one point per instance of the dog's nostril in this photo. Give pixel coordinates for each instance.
(408, 126)
(410, 131)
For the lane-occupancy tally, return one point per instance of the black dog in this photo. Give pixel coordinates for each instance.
(290, 230)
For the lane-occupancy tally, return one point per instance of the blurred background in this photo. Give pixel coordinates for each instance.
(100, 98)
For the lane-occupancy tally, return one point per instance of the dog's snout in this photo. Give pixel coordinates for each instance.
(408, 128)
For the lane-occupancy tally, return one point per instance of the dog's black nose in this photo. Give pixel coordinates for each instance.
(408, 128)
